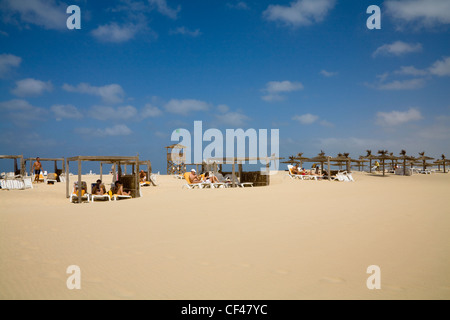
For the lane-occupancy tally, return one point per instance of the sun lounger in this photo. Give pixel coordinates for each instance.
(190, 185)
(84, 194)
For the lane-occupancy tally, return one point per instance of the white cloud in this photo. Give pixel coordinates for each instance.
(223, 108)
(411, 71)
(410, 84)
(65, 112)
(113, 113)
(117, 130)
(21, 112)
(395, 118)
(300, 12)
(420, 12)
(150, 111)
(7, 62)
(3, 33)
(441, 68)
(31, 87)
(328, 74)
(186, 32)
(239, 5)
(397, 48)
(164, 9)
(306, 118)
(184, 107)
(113, 33)
(49, 14)
(112, 93)
(234, 119)
(274, 88)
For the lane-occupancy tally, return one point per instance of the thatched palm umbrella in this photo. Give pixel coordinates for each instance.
(370, 157)
(424, 159)
(383, 156)
(301, 158)
(404, 157)
(321, 158)
(360, 162)
(444, 161)
(342, 158)
(291, 160)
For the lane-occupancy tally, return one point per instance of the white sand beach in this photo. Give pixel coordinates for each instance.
(291, 240)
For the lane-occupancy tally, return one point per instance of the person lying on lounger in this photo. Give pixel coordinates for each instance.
(118, 189)
(194, 178)
(142, 176)
(99, 188)
(210, 178)
(296, 170)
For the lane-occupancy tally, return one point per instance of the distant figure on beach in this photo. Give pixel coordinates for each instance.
(118, 189)
(377, 166)
(99, 188)
(193, 177)
(142, 176)
(37, 167)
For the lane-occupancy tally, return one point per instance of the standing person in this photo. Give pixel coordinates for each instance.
(37, 167)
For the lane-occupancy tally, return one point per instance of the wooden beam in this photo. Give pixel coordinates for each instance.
(233, 176)
(101, 171)
(329, 171)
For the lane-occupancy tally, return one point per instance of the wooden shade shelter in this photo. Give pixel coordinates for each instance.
(16, 166)
(360, 163)
(176, 159)
(301, 159)
(112, 159)
(291, 161)
(322, 159)
(117, 167)
(405, 158)
(442, 162)
(370, 157)
(343, 158)
(423, 158)
(55, 160)
(239, 161)
(383, 156)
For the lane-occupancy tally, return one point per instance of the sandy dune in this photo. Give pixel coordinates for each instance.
(292, 240)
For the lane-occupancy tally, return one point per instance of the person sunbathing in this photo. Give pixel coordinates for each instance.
(99, 188)
(118, 189)
(194, 178)
(210, 178)
(142, 176)
(295, 170)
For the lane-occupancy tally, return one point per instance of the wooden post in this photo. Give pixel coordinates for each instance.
(233, 175)
(64, 165)
(370, 165)
(240, 172)
(114, 173)
(132, 169)
(80, 187)
(56, 166)
(67, 180)
(329, 171)
(31, 166)
(444, 165)
(267, 172)
(136, 175)
(101, 171)
(15, 166)
(22, 167)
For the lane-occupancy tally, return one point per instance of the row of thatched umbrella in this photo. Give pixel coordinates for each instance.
(383, 156)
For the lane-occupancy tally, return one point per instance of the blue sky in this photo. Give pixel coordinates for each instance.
(139, 69)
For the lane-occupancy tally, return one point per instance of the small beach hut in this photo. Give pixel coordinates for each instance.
(16, 159)
(176, 159)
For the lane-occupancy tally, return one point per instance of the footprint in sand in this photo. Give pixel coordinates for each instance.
(333, 280)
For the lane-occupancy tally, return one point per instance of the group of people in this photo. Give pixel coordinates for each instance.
(100, 189)
(206, 178)
(315, 171)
